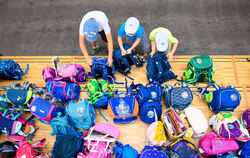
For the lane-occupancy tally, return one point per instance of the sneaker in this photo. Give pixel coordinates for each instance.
(57, 64)
(95, 50)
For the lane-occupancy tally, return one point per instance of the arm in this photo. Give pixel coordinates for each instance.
(84, 50)
(121, 45)
(171, 54)
(137, 41)
(110, 48)
(152, 48)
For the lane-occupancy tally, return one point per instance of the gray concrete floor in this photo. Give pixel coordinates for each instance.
(50, 27)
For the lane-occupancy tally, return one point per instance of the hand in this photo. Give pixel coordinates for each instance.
(170, 56)
(151, 54)
(129, 51)
(89, 61)
(110, 61)
(123, 52)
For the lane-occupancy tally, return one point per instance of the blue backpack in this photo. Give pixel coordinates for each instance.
(125, 151)
(10, 70)
(159, 69)
(152, 152)
(177, 97)
(123, 63)
(222, 99)
(61, 126)
(244, 151)
(149, 98)
(81, 115)
(69, 145)
(63, 91)
(100, 69)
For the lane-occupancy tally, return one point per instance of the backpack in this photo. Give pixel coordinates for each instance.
(212, 144)
(61, 126)
(7, 149)
(156, 134)
(152, 152)
(3, 103)
(64, 91)
(159, 69)
(45, 111)
(183, 149)
(81, 115)
(222, 99)
(200, 69)
(99, 138)
(150, 111)
(245, 119)
(10, 70)
(177, 97)
(125, 151)
(68, 145)
(227, 126)
(100, 69)
(124, 63)
(71, 73)
(244, 151)
(123, 110)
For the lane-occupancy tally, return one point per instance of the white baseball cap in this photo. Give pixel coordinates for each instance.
(161, 40)
(131, 25)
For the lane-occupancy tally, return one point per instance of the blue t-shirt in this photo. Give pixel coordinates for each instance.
(137, 35)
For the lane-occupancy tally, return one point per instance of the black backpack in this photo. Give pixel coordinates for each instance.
(123, 63)
(159, 69)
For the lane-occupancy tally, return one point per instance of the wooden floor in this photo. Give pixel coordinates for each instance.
(234, 69)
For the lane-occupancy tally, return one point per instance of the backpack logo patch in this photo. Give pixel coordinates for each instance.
(150, 114)
(80, 110)
(184, 95)
(199, 61)
(233, 97)
(153, 95)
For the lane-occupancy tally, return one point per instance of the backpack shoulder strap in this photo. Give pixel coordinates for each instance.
(26, 71)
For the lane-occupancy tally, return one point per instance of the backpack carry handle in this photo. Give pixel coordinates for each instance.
(204, 90)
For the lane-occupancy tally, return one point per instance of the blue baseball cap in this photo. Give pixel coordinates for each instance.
(91, 28)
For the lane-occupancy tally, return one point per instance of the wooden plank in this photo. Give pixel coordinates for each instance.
(228, 68)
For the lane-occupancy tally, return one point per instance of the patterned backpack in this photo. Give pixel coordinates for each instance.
(10, 70)
(152, 152)
(177, 97)
(200, 69)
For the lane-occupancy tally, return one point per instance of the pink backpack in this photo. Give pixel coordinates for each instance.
(71, 72)
(212, 144)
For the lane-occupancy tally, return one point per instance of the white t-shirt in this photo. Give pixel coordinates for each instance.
(100, 17)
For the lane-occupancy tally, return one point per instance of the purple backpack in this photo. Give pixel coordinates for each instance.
(71, 72)
(152, 152)
(63, 91)
(44, 110)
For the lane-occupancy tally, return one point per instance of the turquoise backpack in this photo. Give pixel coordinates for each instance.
(61, 126)
(81, 115)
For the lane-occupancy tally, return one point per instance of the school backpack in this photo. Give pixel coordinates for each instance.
(182, 149)
(222, 99)
(200, 69)
(123, 110)
(125, 151)
(100, 69)
(61, 126)
(150, 111)
(177, 97)
(10, 70)
(156, 134)
(159, 69)
(81, 115)
(71, 73)
(45, 111)
(7, 149)
(212, 144)
(245, 119)
(68, 145)
(63, 91)
(98, 140)
(123, 63)
(227, 126)
(152, 152)
(244, 151)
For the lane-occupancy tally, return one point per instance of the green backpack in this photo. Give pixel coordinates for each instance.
(200, 69)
